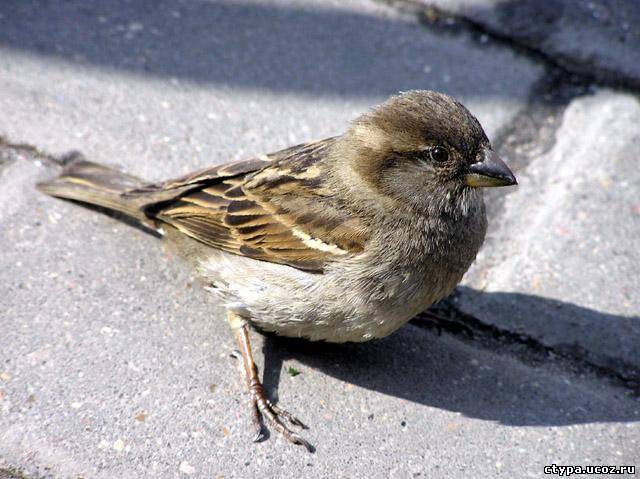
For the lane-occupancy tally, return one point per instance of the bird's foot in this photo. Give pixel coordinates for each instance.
(263, 410)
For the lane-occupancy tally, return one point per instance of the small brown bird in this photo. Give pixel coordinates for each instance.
(342, 239)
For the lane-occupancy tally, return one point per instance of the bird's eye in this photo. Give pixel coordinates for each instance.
(439, 154)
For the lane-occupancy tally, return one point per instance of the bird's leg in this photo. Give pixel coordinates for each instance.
(260, 405)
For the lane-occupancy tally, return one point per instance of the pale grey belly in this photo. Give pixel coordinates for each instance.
(350, 303)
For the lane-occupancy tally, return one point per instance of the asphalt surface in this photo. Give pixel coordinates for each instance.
(113, 360)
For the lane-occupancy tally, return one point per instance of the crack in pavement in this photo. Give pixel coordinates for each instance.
(435, 18)
(532, 133)
(6, 144)
(11, 151)
(525, 348)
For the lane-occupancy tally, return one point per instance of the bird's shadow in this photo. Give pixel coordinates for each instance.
(445, 373)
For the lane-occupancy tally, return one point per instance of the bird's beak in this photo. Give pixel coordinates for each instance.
(490, 171)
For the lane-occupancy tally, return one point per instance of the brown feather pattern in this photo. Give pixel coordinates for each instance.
(273, 208)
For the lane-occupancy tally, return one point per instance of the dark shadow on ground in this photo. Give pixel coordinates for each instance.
(591, 336)
(441, 372)
(303, 49)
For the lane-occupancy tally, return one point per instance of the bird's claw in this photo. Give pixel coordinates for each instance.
(274, 416)
(286, 415)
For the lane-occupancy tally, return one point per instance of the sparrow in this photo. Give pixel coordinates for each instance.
(341, 239)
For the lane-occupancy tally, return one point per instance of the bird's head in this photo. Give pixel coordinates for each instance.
(423, 146)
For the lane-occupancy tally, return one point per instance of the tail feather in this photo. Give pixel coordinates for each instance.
(97, 185)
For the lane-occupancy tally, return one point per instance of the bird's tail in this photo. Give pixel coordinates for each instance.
(97, 185)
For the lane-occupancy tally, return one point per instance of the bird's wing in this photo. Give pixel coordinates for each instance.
(276, 208)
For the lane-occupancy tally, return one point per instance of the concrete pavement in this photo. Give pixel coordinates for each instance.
(113, 361)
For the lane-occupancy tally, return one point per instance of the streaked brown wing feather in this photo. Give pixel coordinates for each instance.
(228, 170)
(279, 212)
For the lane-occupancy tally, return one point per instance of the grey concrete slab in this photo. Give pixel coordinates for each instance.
(598, 38)
(561, 264)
